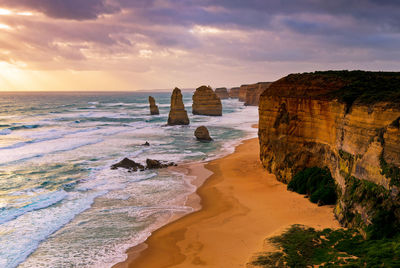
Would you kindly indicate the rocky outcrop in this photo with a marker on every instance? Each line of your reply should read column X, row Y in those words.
column 346, row 121
column 234, row 93
column 243, row 92
column 201, row 133
column 177, row 114
column 253, row 93
column 206, row 102
column 155, row 164
column 153, row 107
column 128, row 164
column 222, row 93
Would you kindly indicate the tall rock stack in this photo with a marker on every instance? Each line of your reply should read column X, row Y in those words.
column 206, row 102
column 253, row 93
column 177, row 113
column 222, row 93
column 153, row 107
column 234, row 92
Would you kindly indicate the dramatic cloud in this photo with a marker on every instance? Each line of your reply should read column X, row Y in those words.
column 163, row 43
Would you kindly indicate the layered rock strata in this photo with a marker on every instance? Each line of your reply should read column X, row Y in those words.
column 206, row 102
column 153, row 107
column 177, row 114
column 234, row 93
column 253, row 93
column 327, row 119
column 222, row 93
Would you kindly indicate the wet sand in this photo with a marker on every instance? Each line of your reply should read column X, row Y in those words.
column 241, row 205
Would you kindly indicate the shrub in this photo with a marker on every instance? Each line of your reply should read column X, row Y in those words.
column 317, row 183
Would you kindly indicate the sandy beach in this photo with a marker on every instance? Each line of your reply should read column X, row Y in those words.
column 241, row 205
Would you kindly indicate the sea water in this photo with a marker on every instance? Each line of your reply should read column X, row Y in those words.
column 60, row 203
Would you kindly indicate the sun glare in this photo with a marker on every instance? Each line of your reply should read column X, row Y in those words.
column 5, row 11
column 4, row 27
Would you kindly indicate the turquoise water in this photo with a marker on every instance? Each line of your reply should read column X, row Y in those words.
column 60, row 203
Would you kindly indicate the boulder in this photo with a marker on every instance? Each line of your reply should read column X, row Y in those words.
column 206, row 102
column 146, row 144
column 177, row 113
column 155, row 164
column 234, row 92
column 128, row 164
column 222, row 93
column 153, row 107
column 202, row 134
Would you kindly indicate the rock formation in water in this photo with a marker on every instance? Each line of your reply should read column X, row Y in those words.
column 128, row 164
column 177, row 113
column 202, row 134
column 153, row 106
column 253, row 93
column 234, row 93
column 206, row 102
column 346, row 121
column 222, row 93
column 155, row 164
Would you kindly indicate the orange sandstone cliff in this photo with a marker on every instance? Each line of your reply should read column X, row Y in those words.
column 222, row 93
column 177, row 114
column 346, row 121
column 234, row 92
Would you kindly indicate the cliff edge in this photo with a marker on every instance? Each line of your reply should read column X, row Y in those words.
column 346, row 121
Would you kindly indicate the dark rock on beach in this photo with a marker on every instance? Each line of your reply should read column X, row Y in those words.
column 128, row 164
column 156, row 164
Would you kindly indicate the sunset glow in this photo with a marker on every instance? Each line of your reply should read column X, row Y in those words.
column 131, row 42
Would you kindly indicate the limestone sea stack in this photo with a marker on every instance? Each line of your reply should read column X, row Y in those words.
column 177, row 113
column 222, row 93
column 206, row 102
column 153, row 107
column 202, row 134
column 234, row 92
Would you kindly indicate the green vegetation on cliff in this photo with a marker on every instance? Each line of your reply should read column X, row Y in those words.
column 304, row 247
column 315, row 182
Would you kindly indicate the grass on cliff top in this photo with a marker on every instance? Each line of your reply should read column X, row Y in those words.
column 317, row 183
column 359, row 86
column 301, row 246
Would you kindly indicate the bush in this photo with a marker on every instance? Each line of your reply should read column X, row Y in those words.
column 317, row 183
column 301, row 246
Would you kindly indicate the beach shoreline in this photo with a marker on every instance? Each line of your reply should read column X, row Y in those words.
column 241, row 205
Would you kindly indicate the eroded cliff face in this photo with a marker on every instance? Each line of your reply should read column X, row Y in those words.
column 302, row 124
column 253, row 93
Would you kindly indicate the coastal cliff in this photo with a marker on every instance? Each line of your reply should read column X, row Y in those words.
column 347, row 122
column 253, row 93
column 206, row 102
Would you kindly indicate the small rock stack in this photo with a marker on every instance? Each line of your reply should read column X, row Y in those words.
column 234, row 92
column 206, row 102
column 222, row 93
column 202, row 134
column 177, row 113
column 153, row 107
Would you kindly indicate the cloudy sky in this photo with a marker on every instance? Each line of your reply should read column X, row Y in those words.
column 159, row 44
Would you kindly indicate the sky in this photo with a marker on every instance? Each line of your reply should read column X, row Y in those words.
column 119, row 45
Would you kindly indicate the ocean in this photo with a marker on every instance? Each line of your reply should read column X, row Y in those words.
column 60, row 203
